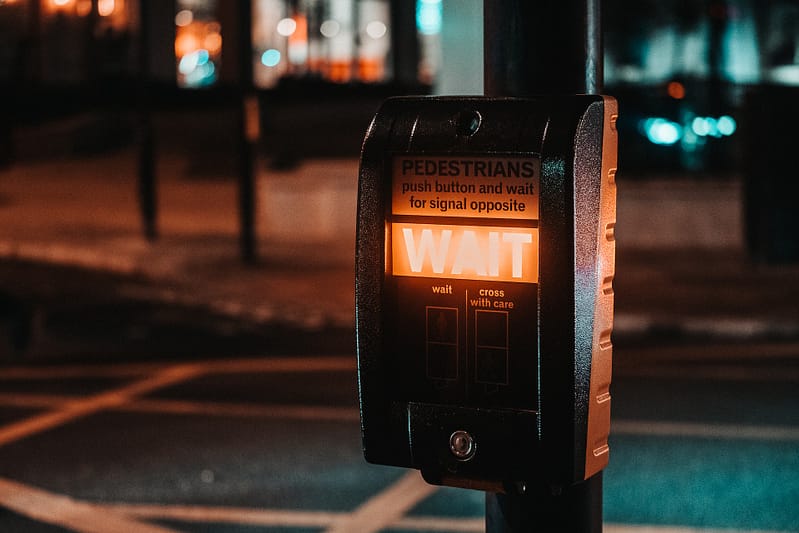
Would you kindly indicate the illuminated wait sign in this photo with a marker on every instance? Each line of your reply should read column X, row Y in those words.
column 465, row 252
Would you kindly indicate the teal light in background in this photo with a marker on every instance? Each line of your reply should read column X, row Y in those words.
column 726, row 125
column 270, row 58
column 704, row 126
column 662, row 131
column 198, row 69
column 429, row 16
column 203, row 76
column 191, row 61
column 694, row 133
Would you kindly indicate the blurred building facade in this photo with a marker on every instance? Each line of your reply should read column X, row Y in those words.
column 681, row 68
column 740, row 41
column 685, row 71
column 339, row 41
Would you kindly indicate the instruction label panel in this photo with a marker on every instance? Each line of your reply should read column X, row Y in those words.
column 455, row 186
column 464, row 244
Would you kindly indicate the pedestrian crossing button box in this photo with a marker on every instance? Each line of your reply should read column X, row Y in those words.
column 484, row 288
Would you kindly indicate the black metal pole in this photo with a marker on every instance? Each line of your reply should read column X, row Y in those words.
column 576, row 509
column 90, row 45
column 34, row 44
column 146, row 164
column 404, row 43
column 543, row 47
column 248, row 133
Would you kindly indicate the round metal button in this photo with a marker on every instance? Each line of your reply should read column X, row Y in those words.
column 462, row 445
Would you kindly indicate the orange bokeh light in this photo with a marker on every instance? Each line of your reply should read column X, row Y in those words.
column 213, row 43
column 185, row 43
column 676, row 90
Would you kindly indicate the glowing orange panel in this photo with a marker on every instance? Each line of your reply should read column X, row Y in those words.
column 488, row 253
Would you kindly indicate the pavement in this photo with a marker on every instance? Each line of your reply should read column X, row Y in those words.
column 704, row 433
column 681, row 264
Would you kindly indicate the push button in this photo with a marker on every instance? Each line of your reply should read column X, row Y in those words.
column 462, row 445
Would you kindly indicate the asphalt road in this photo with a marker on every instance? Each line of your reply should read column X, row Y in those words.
column 126, row 413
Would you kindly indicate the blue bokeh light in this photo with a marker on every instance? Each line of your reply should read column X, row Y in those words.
column 663, row 132
column 429, row 16
column 726, row 125
column 270, row 58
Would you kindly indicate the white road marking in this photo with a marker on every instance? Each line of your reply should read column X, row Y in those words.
column 163, row 377
column 725, row 327
column 703, row 430
column 387, row 507
column 281, row 364
column 286, row 518
column 78, row 371
column 714, row 373
column 350, row 414
column 434, row 523
column 34, row 401
column 228, row 515
column 296, row 412
column 63, row 511
column 619, row 528
column 82, row 407
column 224, row 366
column 295, row 518
column 84, row 517
column 182, row 407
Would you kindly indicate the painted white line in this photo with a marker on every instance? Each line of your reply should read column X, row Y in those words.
column 70, row 410
column 35, row 401
column 63, row 511
column 714, row 431
column 715, row 372
column 387, row 507
column 434, row 523
column 232, row 366
column 721, row 327
column 319, row 519
column 180, row 407
column 350, row 414
column 77, row 371
column 619, row 528
column 228, row 515
column 763, row 351
column 282, row 364
column 285, row 518
column 80, row 408
column 68, row 255
column 739, row 328
column 477, row 525
column 296, row 412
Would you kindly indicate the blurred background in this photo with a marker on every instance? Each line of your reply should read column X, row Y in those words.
column 687, row 66
column 177, row 221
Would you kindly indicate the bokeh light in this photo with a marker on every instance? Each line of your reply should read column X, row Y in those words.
column 270, row 58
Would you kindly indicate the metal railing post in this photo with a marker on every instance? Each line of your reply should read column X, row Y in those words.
column 248, row 134
column 148, row 202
